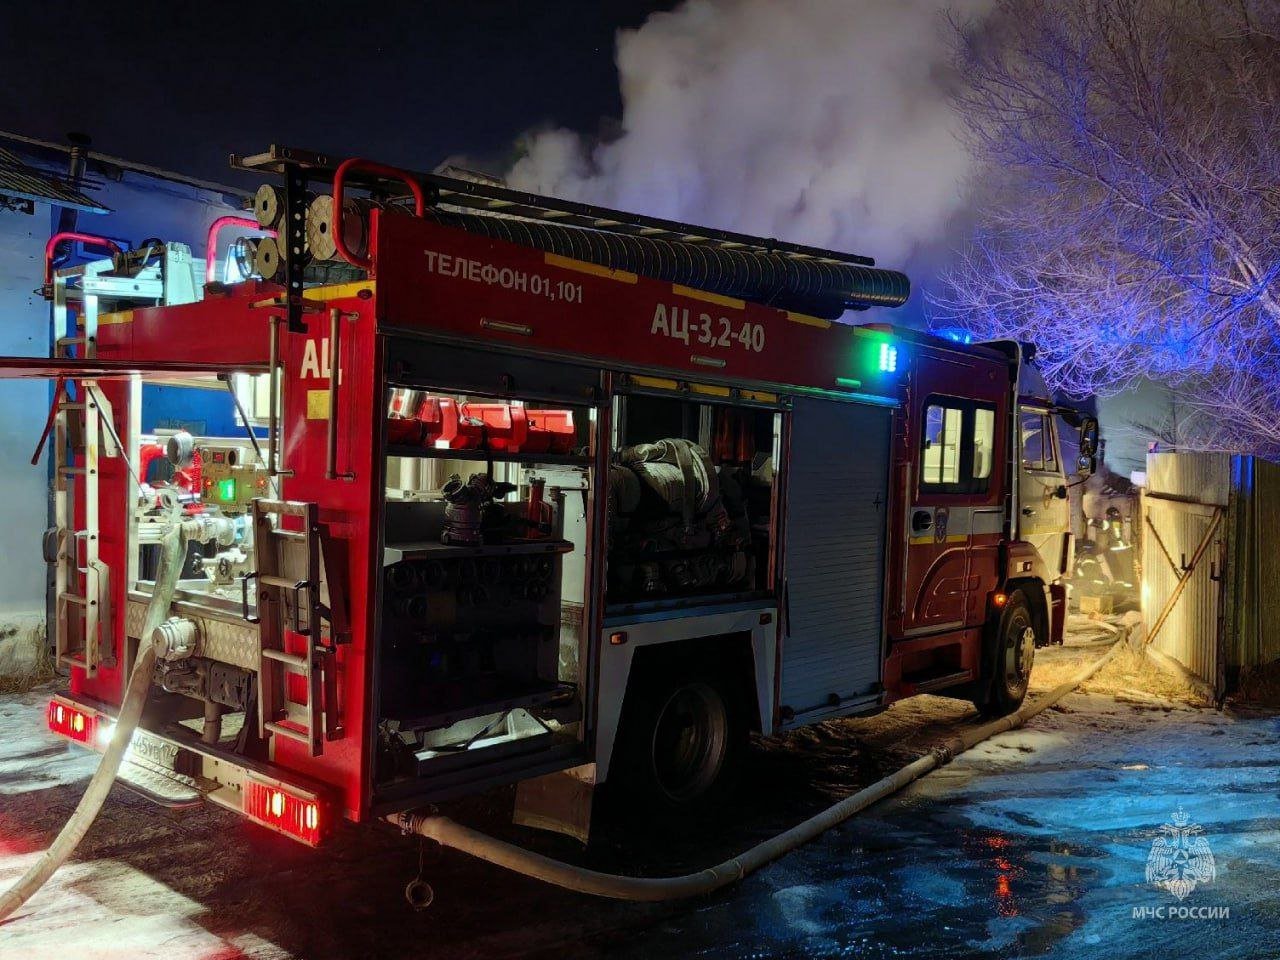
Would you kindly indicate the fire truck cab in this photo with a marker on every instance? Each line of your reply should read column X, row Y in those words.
column 530, row 489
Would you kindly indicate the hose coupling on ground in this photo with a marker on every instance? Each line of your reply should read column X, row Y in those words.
column 945, row 752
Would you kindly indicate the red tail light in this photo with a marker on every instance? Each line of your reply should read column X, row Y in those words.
column 281, row 809
column 77, row 725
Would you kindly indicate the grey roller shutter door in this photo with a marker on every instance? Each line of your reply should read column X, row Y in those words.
column 837, row 495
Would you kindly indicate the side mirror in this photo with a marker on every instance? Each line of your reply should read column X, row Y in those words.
column 1089, row 439
column 1087, row 462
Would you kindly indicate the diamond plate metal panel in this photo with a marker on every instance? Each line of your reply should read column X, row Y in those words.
column 231, row 642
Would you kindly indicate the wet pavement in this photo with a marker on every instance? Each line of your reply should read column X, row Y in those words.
column 1034, row 844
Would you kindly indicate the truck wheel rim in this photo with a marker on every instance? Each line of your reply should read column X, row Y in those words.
column 1019, row 652
column 689, row 741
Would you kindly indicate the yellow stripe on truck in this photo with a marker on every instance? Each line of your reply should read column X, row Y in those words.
column 568, row 263
column 808, row 320
column 339, row 291
column 715, row 298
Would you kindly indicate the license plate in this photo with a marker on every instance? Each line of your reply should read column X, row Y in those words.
column 151, row 749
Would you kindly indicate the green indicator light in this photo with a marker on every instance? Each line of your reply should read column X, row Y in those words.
column 227, row 489
column 888, row 358
column 849, row 382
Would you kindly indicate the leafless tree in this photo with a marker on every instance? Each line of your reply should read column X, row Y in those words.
column 1130, row 208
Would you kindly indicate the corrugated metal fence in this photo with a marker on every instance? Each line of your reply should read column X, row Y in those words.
column 1210, row 582
column 1252, row 607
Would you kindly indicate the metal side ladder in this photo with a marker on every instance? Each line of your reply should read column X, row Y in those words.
column 81, row 580
column 291, row 593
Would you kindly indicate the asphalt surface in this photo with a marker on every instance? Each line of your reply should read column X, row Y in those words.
column 1034, row 844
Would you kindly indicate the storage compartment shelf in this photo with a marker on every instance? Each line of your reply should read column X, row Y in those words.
column 433, row 550
column 484, row 456
column 503, row 693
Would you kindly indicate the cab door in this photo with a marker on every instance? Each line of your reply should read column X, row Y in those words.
column 952, row 496
column 1044, row 513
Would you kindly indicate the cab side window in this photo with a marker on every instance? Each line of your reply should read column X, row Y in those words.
column 984, row 444
column 1037, row 441
column 940, row 464
column 957, row 453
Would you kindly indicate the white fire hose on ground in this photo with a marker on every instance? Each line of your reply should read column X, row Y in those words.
column 172, row 556
column 455, row 835
column 451, row 834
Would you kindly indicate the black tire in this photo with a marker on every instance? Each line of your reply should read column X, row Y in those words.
column 1008, row 656
column 681, row 741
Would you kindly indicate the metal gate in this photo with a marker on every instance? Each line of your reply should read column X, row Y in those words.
column 1211, row 575
column 834, row 580
column 1184, row 537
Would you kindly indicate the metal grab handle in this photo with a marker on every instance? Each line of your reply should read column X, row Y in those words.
column 335, row 370
column 273, row 405
column 244, row 597
column 339, row 180
column 88, row 239
column 297, row 605
column 211, row 240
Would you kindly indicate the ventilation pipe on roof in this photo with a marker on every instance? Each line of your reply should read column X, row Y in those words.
column 80, row 143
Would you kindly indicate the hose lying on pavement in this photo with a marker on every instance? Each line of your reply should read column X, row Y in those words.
column 455, row 835
column 173, row 554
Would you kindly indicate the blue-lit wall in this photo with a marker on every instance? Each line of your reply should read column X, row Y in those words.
column 143, row 206
column 209, row 413
column 24, row 331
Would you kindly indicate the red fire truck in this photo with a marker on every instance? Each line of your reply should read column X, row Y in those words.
column 530, row 491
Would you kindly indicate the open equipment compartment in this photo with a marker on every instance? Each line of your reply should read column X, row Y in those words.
column 691, row 496
column 484, row 579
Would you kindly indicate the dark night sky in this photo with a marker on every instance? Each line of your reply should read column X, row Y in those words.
column 407, row 83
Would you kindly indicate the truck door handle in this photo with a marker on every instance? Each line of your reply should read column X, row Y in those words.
column 921, row 521
column 1028, row 511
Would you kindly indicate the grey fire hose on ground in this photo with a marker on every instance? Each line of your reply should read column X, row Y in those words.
column 172, row 556
column 498, row 852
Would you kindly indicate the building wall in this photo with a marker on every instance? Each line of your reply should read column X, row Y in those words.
column 143, row 207
column 24, row 331
column 1131, row 420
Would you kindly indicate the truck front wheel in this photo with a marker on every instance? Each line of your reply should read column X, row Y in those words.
column 682, row 739
column 1008, row 654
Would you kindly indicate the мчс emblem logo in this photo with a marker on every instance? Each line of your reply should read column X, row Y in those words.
column 1180, row 857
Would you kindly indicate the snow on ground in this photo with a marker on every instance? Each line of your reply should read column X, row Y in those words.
column 1035, row 843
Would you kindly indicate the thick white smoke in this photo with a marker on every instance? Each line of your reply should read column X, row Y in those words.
column 817, row 121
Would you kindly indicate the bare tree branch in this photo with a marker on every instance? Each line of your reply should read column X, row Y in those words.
column 1131, row 222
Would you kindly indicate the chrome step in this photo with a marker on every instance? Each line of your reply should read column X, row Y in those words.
column 165, row 787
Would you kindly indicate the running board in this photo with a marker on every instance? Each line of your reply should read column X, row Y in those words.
column 935, row 683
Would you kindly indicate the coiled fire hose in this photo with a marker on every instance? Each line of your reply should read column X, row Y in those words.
column 173, row 553
column 451, row 834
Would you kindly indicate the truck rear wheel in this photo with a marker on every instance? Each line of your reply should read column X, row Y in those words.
column 682, row 739
column 1008, row 655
